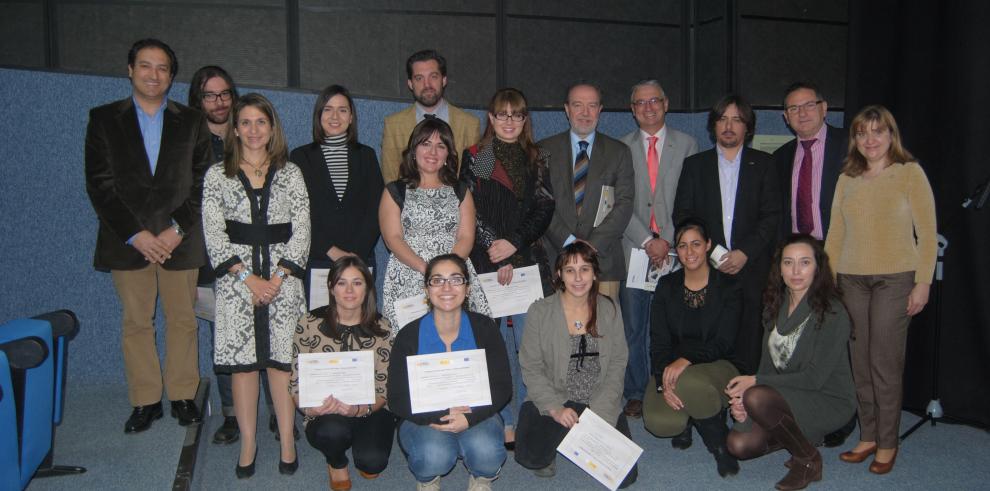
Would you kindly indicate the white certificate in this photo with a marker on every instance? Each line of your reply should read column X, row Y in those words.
column 600, row 450
column 348, row 375
column 206, row 303
column 605, row 204
column 516, row 297
column 643, row 274
column 319, row 295
column 409, row 309
column 441, row 381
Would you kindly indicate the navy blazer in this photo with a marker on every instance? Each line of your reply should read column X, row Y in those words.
column 836, row 149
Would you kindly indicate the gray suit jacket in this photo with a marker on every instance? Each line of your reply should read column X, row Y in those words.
column 677, row 146
column 546, row 351
column 610, row 165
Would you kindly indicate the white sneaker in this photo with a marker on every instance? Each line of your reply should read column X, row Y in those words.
column 480, row 483
column 433, row 485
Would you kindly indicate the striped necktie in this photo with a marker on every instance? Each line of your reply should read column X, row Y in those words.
column 580, row 174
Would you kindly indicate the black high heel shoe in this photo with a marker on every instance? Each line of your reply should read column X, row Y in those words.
column 246, row 471
column 288, row 468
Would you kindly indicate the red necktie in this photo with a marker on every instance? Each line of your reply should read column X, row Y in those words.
column 805, row 204
column 653, row 168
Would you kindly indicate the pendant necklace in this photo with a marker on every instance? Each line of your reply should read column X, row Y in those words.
column 257, row 168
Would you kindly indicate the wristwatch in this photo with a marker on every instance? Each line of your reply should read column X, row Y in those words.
column 178, row 229
column 243, row 274
column 280, row 273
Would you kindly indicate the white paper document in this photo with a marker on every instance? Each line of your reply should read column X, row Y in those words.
column 516, row 297
column 347, row 375
column 600, row 450
column 440, row 381
column 206, row 303
column 643, row 274
column 319, row 294
column 605, row 204
column 409, row 309
column 717, row 256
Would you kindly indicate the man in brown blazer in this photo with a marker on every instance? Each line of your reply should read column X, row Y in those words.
column 145, row 161
column 427, row 77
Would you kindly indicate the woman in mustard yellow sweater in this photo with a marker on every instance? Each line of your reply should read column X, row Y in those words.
column 882, row 244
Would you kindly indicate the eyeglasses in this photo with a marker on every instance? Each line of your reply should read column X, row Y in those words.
column 517, row 117
column 439, row 281
column 807, row 106
column 213, row 96
column 653, row 101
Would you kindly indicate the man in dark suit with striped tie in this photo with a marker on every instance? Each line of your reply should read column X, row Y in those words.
column 586, row 165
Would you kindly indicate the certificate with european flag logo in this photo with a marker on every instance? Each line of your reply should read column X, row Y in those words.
column 349, row 376
column 600, row 450
column 440, row 381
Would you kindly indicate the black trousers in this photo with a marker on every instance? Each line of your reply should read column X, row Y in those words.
column 370, row 439
column 538, row 436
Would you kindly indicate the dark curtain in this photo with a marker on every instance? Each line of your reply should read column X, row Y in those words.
column 929, row 63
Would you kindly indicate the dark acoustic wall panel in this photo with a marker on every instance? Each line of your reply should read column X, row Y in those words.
column 817, row 10
column 249, row 41
column 22, row 34
column 774, row 53
column 711, row 75
column 638, row 11
column 366, row 51
column 545, row 56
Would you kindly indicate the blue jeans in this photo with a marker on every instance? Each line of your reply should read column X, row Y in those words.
column 513, row 340
column 433, row 453
column 636, row 318
column 381, row 262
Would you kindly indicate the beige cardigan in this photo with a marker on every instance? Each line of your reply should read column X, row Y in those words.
column 546, row 350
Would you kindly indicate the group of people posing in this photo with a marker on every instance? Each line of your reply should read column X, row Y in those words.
column 794, row 277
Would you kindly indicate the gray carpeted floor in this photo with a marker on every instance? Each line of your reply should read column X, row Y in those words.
column 944, row 457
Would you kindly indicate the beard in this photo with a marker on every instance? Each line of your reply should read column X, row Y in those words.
column 429, row 98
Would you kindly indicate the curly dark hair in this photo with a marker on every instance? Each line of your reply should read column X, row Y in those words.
column 821, row 293
column 409, row 173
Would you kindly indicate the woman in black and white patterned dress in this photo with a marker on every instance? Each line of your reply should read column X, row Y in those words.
column 256, row 222
column 426, row 213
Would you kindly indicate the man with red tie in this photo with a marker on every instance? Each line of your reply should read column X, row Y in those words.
column 809, row 166
column 658, row 152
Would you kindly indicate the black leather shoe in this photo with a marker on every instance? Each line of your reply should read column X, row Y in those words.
column 228, row 432
column 838, row 437
column 186, row 412
column 246, row 471
column 142, row 417
column 683, row 441
column 273, row 427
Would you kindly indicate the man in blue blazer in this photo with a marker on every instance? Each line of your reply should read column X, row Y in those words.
column 735, row 190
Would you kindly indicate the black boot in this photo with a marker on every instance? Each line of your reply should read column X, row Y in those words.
column 806, row 462
column 683, row 441
column 714, row 432
column 838, row 437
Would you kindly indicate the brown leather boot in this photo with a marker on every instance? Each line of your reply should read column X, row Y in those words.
column 806, row 462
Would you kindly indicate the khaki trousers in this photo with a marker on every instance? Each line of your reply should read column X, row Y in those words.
column 877, row 306
column 700, row 387
column 138, row 291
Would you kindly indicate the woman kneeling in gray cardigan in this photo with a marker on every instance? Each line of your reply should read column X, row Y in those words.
column 573, row 357
column 804, row 388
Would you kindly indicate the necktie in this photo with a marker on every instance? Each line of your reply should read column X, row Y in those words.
column 580, row 174
column 805, row 213
column 653, row 168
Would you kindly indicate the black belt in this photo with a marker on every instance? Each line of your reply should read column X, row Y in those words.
column 258, row 234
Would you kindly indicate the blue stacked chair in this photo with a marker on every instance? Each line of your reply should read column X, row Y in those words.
column 37, row 394
column 18, row 359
